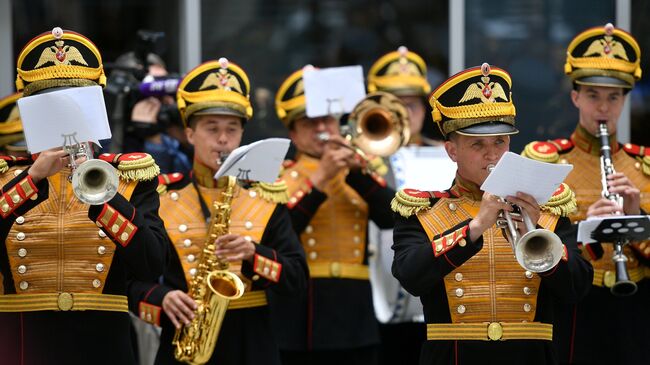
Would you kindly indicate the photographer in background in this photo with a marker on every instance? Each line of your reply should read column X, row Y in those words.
column 142, row 108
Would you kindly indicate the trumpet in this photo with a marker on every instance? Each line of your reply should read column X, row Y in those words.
column 378, row 126
column 623, row 286
column 94, row 181
column 538, row 249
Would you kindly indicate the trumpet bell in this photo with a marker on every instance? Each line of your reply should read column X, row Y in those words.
column 95, row 182
column 539, row 250
column 380, row 123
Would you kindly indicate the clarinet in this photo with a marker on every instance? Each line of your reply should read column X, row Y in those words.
column 623, row 285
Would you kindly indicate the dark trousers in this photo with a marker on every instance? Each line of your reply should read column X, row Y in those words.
column 358, row 356
column 401, row 343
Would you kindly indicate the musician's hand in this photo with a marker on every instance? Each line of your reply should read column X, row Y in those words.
column 48, row 163
column 334, row 159
column 529, row 205
column 603, row 208
column 179, row 307
column 233, row 247
column 618, row 183
column 487, row 215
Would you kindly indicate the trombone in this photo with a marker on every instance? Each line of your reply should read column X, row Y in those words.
column 94, row 181
column 378, row 125
column 538, row 249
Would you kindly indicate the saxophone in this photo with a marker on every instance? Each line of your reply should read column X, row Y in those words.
column 212, row 288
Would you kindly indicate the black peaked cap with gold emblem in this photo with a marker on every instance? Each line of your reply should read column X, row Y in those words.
column 290, row 101
column 215, row 87
column 60, row 58
column 477, row 101
column 11, row 127
column 604, row 56
column 400, row 72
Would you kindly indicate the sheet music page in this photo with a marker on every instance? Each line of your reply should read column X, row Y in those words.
column 515, row 173
column 78, row 111
column 258, row 161
column 333, row 90
column 586, row 227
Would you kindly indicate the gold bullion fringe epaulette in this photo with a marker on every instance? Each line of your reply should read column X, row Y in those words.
column 541, row 151
column 641, row 154
column 133, row 166
column 408, row 202
column 6, row 162
column 562, row 203
column 274, row 192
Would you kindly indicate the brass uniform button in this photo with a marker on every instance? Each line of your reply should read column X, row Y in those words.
column 187, row 242
column 356, row 253
column 460, row 292
column 452, row 207
column 182, row 228
column 193, row 271
column 18, row 172
column 99, row 267
column 356, row 227
column 22, row 269
column 527, row 307
column 191, row 258
column 309, row 229
column 101, row 250
column 637, row 165
column 20, row 220
column 124, row 236
column 115, row 228
column 5, row 208
column 22, row 252
column 174, row 196
column 462, row 242
column 252, row 194
column 255, row 277
column 527, row 290
column 15, row 198
column 20, row 236
column 529, row 274
column 313, row 255
column 311, row 242
column 461, row 309
column 97, row 283
column 248, row 225
column 356, row 239
column 101, row 234
column 458, row 276
column 294, row 174
column 23, row 285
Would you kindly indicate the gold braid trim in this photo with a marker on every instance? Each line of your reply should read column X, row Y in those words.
column 12, row 126
column 602, row 63
column 407, row 205
column 142, row 169
column 4, row 166
column 562, row 204
column 274, row 193
column 161, row 189
column 530, row 152
column 645, row 165
column 416, row 83
column 473, row 111
column 60, row 72
column 37, row 86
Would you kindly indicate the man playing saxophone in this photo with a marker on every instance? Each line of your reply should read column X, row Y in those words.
column 260, row 248
column 603, row 64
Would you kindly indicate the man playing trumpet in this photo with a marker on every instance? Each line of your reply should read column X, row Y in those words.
column 479, row 304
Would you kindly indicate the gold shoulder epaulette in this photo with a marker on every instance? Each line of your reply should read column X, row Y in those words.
column 165, row 180
column 133, row 166
column 410, row 201
column 562, row 203
column 6, row 162
column 640, row 153
column 275, row 192
column 541, row 151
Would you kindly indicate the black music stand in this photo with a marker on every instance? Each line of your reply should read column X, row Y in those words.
column 621, row 231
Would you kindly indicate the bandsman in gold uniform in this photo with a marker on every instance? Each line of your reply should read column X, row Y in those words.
column 330, row 203
column 604, row 63
column 65, row 263
column 12, row 139
column 262, row 248
column 479, row 304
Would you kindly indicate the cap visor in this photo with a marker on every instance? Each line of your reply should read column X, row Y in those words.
column 489, row 129
column 604, row 81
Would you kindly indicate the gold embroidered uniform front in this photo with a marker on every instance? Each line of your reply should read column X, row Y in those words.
column 334, row 247
column 257, row 214
column 65, row 263
column 478, row 302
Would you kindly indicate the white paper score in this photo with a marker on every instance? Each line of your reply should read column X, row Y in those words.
column 335, row 90
column 258, row 161
column 515, row 173
column 48, row 118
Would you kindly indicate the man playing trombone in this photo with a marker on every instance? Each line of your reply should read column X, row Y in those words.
column 479, row 304
column 603, row 64
column 331, row 201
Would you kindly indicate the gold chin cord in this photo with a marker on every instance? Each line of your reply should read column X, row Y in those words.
column 94, row 182
column 377, row 126
column 623, row 286
column 536, row 250
column 212, row 288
